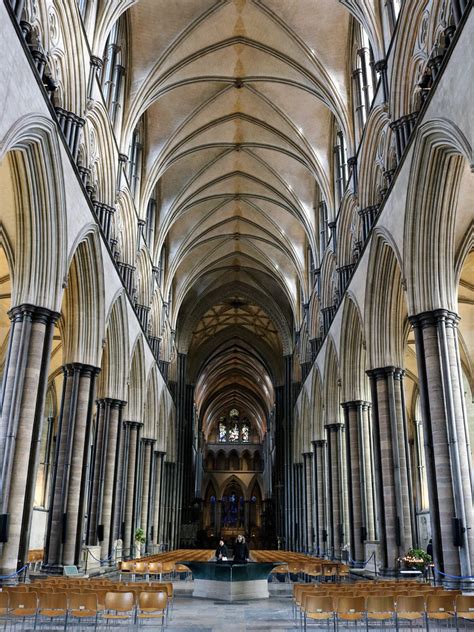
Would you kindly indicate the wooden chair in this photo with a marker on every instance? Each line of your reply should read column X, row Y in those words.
column 119, row 606
column 380, row 609
column 440, row 608
column 127, row 567
column 52, row 606
column 318, row 608
column 23, row 606
column 464, row 610
column 152, row 606
column 141, row 568
column 350, row 610
column 83, row 608
column 155, row 568
column 411, row 609
column 4, row 607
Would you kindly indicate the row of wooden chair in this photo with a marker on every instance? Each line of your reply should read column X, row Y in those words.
column 71, row 608
column 442, row 607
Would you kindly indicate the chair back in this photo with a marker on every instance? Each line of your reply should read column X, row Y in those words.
column 52, row 601
column 350, row 605
column 157, row 600
column 120, row 601
column 440, row 603
column 23, row 600
column 380, row 603
column 155, row 568
column 83, row 601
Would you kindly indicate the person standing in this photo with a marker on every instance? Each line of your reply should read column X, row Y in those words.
column 221, row 551
column 241, row 550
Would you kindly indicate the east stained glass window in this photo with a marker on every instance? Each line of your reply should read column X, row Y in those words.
column 222, row 431
column 245, row 432
column 234, row 432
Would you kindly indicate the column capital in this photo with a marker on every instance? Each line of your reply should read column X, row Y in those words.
column 433, row 318
column 308, row 455
column 133, row 424
column 381, row 373
column 96, row 62
column 35, row 313
column 334, row 427
column 380, row 65
column 159, row 453
column 355, row 404
column 148, row 441
column 80, row 367
column 319, row 443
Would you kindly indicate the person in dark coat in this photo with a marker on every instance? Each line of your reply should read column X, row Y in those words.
column 221, row 551
column 241, row 550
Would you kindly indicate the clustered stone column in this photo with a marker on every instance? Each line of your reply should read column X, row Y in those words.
column 113, row 457
column 336, row 488
column 23, row 397
column 447, row 448
column 321, row 480
column 130, row 490
column 148, row 473
column 391, row 462
column 157, row 512
column 64, row 536
column 359, row 476
column 309, row 486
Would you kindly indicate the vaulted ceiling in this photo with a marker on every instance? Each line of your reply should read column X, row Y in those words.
column 240, row 99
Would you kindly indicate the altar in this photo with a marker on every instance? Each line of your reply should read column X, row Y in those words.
column 230, row 581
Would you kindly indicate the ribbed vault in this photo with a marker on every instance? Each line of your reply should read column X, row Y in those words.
column 238, row 101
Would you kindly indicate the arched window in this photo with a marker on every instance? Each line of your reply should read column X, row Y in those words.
column 150, row 223
column 135, row 154
column 113, row 69
column 340, row 163
column 363, row 78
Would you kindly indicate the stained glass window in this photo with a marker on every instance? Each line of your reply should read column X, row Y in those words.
column 234, row 433
column 222, row 432
column 234, row 412
column 245, row 432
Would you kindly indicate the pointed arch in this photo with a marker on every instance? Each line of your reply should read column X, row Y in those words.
column 83, row 313
column 116, row 354
column 331, row 384
column 151, row 405
column 385, row 306
column 317, row 421
column 441, row 153
column 353, row 352
column 136, row 383
column 34, row 155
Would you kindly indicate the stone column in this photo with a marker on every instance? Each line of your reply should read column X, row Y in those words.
column 391, row 466
column 335, row 495
column 97, row 468
column 359, row 477
column 130, row 486
column 112, row 468
column 158, row 503
column 69, row 484
column 321, row 486
column 147, row 481
column 447, row 447
column 117, row 528
column 23, row 395
column 309, row 495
